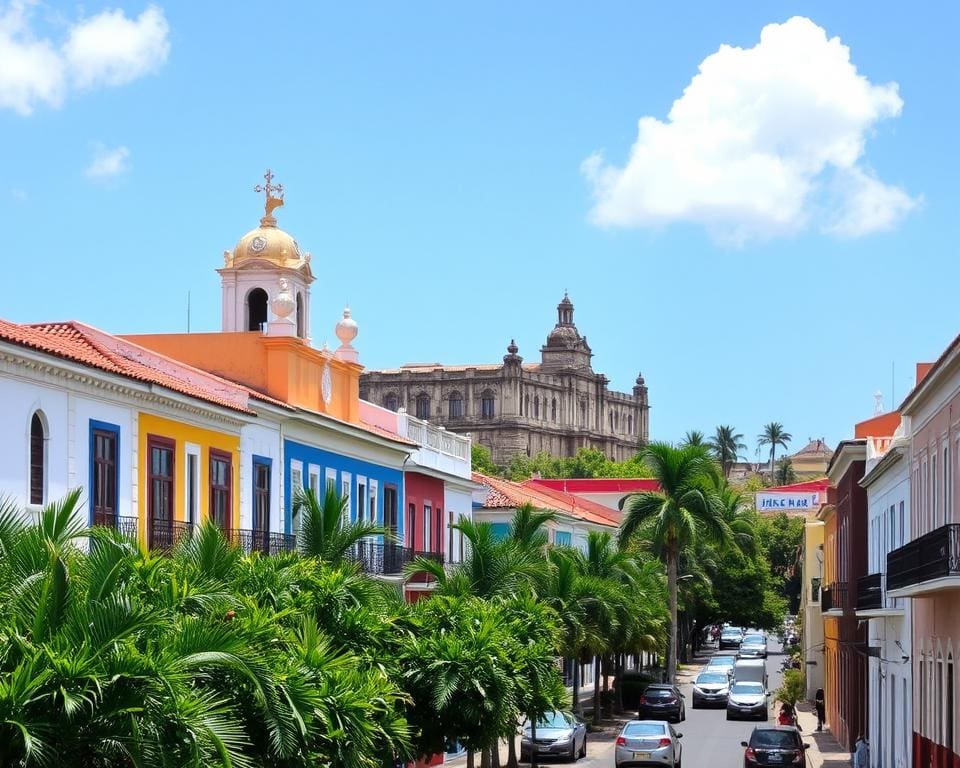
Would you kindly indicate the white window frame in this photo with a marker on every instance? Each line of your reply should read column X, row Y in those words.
column 191, row 449
column 313, row 479
column 345, row 492
column 361, row 498
column 427, row 526
column 373, row 490
column 331, row 479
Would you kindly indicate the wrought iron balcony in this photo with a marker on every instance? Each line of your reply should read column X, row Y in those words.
column 166, row 534
column 934, row 555
column 870, row 592
column 384, row 559
column 826, row 599
column 833, row 597
column 126, row 526
column 264, row 542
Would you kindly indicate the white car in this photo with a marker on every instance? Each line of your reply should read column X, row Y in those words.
column 711, row 687
column 560, row 734
column 747, row 700
column 648, row 743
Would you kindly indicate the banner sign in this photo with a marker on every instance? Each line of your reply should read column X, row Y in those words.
column 787, row 502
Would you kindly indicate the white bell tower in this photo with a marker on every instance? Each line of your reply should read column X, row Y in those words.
column 266, row 271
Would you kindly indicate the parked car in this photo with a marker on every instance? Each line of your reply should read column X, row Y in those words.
column 747, row 700
column 711, row 688
column 753, row 647
column 648, row 742
column 730, row 637
column 662, row 701
column 558, row 733
column 773, row 745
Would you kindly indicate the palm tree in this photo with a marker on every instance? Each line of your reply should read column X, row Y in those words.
column 686, row 507
column 693, row 437
column 773, row 435
column 785, row 473
column 327, row 533
column 727, row 446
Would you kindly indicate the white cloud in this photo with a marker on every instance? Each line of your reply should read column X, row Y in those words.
column 103, row 50
column 764, row 141
column 108, row 164
column 110, row 49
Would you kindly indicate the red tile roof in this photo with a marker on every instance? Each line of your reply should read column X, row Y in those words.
column 89, row 346
column 597, row 484
column 810, row 486
column 504, row 494
column 814, row 448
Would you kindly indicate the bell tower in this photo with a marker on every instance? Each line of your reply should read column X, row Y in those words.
column 264, row 274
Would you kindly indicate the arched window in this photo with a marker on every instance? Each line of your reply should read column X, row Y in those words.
column 391, row 402
column 487, row 404
column 423, row 406
column 256, row 309
column 301, row 327
column 536, row 407
column 553, row 409
column 526, row 405
column 629, row 423
column 38, row 458
column 455, row 405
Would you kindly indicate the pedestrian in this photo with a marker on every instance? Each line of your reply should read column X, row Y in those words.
column 819, row 703
column 861, row 753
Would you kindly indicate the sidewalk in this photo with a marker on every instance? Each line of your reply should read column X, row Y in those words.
column 824, row 750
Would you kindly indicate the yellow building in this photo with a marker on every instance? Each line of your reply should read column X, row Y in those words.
column 173, row 498
column 812, row 460
column 811, row 579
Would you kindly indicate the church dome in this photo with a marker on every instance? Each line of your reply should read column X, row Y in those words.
column 563, row 335
column 268, row 243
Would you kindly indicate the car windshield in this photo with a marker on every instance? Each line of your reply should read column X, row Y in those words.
column 731, row 633
column 554, row 720
column 754, row 688
column 781, row 739
column 711, row 677
column 758, row 639
column 722, row 661
column 644, row 729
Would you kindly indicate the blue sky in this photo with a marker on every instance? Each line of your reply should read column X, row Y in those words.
column 433, row 160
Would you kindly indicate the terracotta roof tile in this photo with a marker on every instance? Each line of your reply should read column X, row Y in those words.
column 89, row 346
column 504, row 494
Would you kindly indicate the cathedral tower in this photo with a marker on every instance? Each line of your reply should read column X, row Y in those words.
column 265, row 279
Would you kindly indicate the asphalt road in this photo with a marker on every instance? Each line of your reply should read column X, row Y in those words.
column 709, row 739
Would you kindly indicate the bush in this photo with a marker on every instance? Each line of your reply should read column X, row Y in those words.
column 793, row 687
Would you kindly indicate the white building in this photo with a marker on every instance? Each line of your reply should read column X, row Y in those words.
column 887, row 484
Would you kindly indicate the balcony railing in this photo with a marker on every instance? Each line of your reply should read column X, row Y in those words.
column 166, row 534
column 833, row 597
column 934, row 555
column 126, row 526
column 870, row 592
column 826, row 599
column 264, row 542
column 382, row 559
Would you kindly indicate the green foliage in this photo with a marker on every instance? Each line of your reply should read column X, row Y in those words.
column 746, row 592
column 482, row 460
column 727, row 446
column 785, row 474
column 793, row 688
column 587, row 463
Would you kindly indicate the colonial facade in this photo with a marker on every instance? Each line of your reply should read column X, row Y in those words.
column 558, row 405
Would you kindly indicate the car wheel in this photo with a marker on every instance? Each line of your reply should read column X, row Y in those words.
column 573, row 751
column 583, row 749
column 728, row 716
column 683, row 713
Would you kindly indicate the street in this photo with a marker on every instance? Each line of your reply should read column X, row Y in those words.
column 709, row 739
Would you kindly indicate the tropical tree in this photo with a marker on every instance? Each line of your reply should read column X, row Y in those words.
column 686, row 508
column 727, row 446
column 694, row 437
column 773, row 435
column 785, row 474
column 326, row 530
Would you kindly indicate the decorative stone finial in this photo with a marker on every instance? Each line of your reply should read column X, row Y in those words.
column 512, row 348
column 878, row 403
column 283, row 305
column 273, row 194
column 347, row 331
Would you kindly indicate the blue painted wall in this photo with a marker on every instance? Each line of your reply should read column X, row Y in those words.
column 307, row 454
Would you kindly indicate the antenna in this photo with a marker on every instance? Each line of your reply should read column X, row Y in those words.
column 893, row 385
column 188, row 311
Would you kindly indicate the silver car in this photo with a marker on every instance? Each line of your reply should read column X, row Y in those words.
column 648, row 742
column 747, row 700
column 753, row 647
column 711, row 687
column 559, row 734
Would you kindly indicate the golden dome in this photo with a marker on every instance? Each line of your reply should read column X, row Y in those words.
column 268, row 243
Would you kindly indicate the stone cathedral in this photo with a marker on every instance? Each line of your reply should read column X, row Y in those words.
column 558, row 405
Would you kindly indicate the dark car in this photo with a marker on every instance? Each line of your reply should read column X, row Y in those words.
column 662, row 702
column 773, row 745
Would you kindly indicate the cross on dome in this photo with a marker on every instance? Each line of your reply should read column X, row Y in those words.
column 273, row 194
